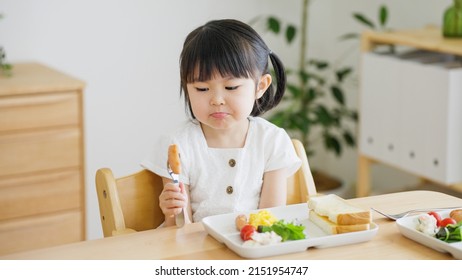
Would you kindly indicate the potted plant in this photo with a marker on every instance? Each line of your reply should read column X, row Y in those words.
column 5, row 68
column 315, row 107
column 452, row 20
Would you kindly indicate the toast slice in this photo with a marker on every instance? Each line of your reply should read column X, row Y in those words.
column 338, row 210
column 331, row 228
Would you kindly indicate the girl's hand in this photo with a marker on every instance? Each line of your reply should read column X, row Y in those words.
column 173, row 199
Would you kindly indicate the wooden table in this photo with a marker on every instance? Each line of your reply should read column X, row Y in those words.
column 192, row 242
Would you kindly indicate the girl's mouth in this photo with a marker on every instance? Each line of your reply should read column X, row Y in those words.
column 219, row 115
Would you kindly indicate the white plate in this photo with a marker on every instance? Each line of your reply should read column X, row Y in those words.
column 223, row 229
column 408, row 227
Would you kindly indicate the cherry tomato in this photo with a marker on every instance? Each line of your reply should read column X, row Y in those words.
column 437, row 217
column 247, row 231
column 447, row 221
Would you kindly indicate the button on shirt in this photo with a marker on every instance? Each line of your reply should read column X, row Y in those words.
column 226, row 180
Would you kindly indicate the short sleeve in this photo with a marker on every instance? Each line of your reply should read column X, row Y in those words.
column 281, row 153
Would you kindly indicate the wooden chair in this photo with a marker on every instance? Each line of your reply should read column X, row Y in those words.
column 131, row 203
column 301, row 184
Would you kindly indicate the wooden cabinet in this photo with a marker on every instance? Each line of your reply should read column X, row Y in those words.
column 42, row 194
column 410, row 115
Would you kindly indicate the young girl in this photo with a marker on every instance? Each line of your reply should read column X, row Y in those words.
column 232, row 160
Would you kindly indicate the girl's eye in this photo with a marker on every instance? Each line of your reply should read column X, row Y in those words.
column 231, row 88
column 202, row 89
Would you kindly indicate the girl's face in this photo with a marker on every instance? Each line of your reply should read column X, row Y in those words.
column 223, row 102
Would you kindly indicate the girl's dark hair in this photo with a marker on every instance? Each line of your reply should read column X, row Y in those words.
column 230, row 48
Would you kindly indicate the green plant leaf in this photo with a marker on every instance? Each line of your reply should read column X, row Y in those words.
column 311, row 94
column 320, row 64
column 383, row 15
column 354, row 115
column 7, row 67
column 349, row 36
column 349, row 139
column 304, row 76
column 364, row 20
column 291, row 31
column 2, row 55
column 343, row 73
column 288, row 72
column 278, row 119
column 320, row 80
column 336, row 119
column 337, row 93
column 301, row 122
column 323, row 115
column 294, row 90
column 332, row 143
column 274, row 25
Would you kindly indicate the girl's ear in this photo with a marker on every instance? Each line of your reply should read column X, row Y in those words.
column 263, row 84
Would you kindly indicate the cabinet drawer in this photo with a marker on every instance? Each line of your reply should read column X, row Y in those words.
column 38, row 111
column 39, row 232
column 39, row 151
column 39, row 194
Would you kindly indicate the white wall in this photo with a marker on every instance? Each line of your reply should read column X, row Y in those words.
column 127, row 53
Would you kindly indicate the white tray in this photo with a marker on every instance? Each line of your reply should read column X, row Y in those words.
column 408, row 227
column 223, row 229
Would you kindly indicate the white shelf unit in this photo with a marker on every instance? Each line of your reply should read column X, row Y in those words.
column 411, row 107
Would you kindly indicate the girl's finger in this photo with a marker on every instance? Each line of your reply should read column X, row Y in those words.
column 172, row 187
column 176, row 196
column 182, row 190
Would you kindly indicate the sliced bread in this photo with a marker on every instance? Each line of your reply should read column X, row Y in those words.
column 338, row 210
column 331, row 228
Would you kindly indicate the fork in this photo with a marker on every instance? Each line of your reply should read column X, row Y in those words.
column 179, row 219
column 406, row 213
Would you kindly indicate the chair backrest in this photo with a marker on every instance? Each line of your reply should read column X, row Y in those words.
column 131, row 203
column 300, row 185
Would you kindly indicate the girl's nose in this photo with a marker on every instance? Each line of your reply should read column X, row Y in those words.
column 217, row 99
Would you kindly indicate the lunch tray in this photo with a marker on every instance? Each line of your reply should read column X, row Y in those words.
column 223, row 229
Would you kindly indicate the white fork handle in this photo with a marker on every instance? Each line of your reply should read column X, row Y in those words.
column 179, row 218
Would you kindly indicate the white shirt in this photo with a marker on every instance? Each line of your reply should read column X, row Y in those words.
column 216, row 185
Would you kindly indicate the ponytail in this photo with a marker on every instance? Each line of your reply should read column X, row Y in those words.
column 281, row 79
column 272, row 96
